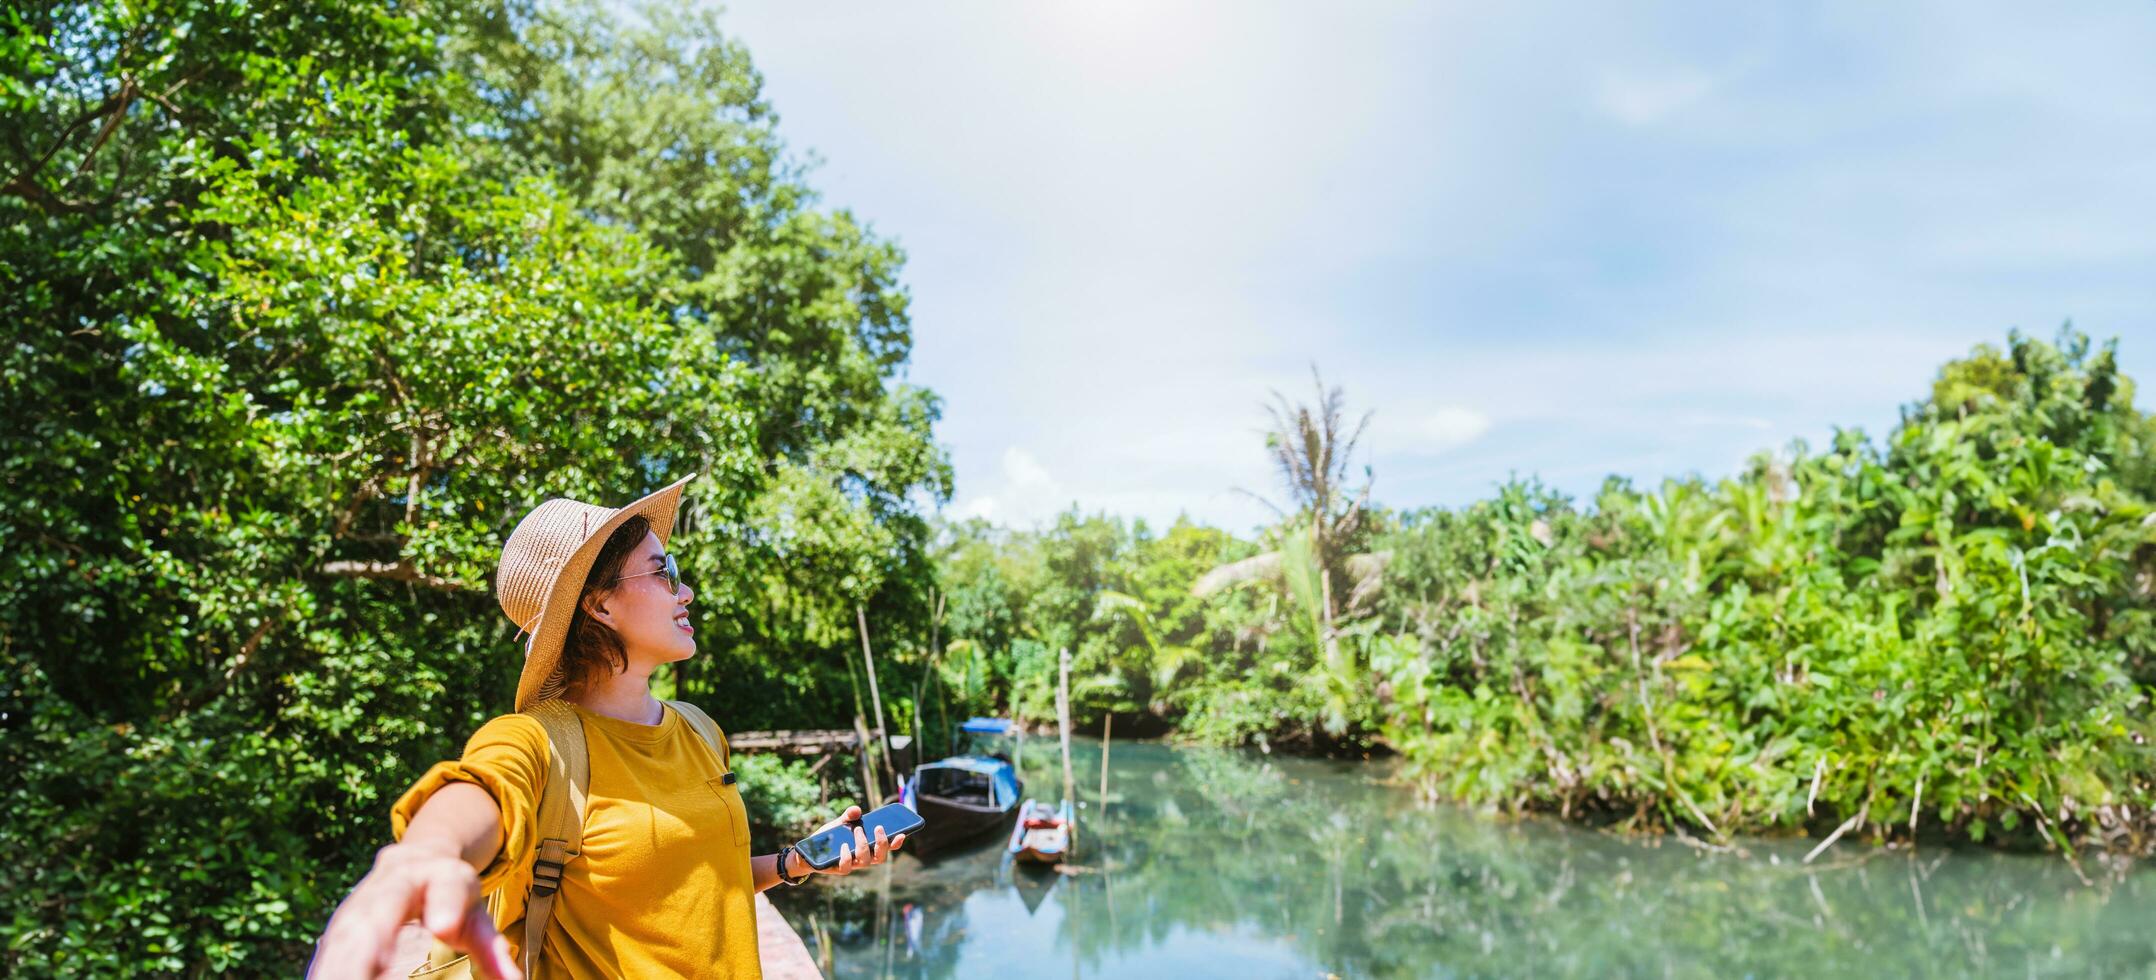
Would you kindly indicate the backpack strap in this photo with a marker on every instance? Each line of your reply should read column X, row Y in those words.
column 560, row 818
column 707, row 728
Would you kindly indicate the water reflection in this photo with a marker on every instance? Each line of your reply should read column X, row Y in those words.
column 1231, row 863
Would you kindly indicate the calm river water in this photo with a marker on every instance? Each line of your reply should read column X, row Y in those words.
column 1231, row 863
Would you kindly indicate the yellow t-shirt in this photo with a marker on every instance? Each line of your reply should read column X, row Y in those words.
column 663, row 887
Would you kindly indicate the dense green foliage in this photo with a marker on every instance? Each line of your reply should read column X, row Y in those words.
column 310, row 301
column 1950, row 634
column 1117, row 595
column 784, row 800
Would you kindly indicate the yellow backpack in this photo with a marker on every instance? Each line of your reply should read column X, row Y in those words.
column 561, row 822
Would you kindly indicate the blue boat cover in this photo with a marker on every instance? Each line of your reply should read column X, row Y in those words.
column 987, row 726
column 996, row 770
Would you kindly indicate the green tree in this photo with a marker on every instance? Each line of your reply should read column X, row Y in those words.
column 652, row 117
column 304, row 322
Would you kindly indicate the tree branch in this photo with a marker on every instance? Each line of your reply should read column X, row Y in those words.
column 27, row 188
column 401, row 570
column 67, row 132
column 204, row 694
column 112, row 123
column 1847, row 825
column 366, row 492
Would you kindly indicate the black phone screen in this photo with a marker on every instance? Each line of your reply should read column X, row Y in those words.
column 821, row 849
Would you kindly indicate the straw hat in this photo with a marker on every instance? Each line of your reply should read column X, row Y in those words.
column 544, row 564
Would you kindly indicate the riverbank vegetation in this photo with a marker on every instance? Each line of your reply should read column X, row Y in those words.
column 1946, row 634
column 312, row 301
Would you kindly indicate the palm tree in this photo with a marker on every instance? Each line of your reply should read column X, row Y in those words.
column 1313, row 451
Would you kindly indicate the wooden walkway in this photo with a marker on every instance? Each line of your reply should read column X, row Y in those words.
column 785, row 956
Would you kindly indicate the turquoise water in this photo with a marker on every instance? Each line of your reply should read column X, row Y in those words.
column 1231, row 863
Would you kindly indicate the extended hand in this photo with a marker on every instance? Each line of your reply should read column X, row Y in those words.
column 862, row 853
column 410, row 882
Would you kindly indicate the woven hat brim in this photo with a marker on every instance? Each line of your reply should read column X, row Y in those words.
column 543, row 653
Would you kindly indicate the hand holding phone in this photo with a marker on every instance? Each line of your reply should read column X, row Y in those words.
column 854, row 835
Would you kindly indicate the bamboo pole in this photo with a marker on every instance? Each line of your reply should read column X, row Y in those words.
column 887, row 924
column 943, row 715
column 920, row 690
column 1063, row 721
column 875, row 697
column 868, row 767
column 1107, row 730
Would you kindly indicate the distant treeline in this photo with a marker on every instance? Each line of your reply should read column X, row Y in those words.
column 1947, row 635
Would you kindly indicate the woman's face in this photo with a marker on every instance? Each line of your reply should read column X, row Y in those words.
column 653, row 624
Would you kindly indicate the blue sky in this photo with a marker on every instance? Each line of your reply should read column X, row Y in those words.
column 1564, row 241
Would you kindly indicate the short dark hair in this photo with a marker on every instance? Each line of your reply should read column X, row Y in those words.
column 593, row 651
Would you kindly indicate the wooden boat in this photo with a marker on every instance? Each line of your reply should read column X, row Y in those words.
column 965, row 796
column 1042, row 835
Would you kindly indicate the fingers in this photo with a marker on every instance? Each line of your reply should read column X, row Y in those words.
column 471, row 929
column 353, row 948
column 486, row 946
column 863, row 852
column 362, row 936
column 852, row 815
column 442, row 893
column 449, row 897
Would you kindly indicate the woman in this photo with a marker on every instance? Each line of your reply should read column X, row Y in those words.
column 664, row 884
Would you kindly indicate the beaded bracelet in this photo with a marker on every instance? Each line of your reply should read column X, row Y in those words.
column 784, row 853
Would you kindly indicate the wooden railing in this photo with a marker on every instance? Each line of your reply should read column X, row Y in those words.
column 797, row 742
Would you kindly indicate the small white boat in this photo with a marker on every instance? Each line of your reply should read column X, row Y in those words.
column 1042, row 835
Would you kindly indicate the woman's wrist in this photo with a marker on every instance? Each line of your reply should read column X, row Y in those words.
column 793, row 868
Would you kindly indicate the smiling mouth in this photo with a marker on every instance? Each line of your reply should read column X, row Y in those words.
column 683, row 623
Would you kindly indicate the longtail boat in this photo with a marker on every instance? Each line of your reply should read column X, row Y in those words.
column 964, row 796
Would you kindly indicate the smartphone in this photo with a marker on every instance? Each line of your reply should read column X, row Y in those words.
column 820, row 849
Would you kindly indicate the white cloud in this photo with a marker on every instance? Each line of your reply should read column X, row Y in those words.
column 1022, row 471
column 1025, row 494
column 1644, row 98
column 983, row 507
column 1443, row 430
column 1646, row 241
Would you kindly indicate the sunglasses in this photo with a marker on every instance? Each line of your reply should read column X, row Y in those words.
column 669, row 569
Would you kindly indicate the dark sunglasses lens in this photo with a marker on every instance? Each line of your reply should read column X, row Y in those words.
column 673, row 576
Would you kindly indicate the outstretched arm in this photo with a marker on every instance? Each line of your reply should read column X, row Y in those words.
column 431, row 875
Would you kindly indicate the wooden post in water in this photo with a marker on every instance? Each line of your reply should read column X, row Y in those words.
column 1063, row 720
column 875, row 698
column 920, row 688
column 1107, row 730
